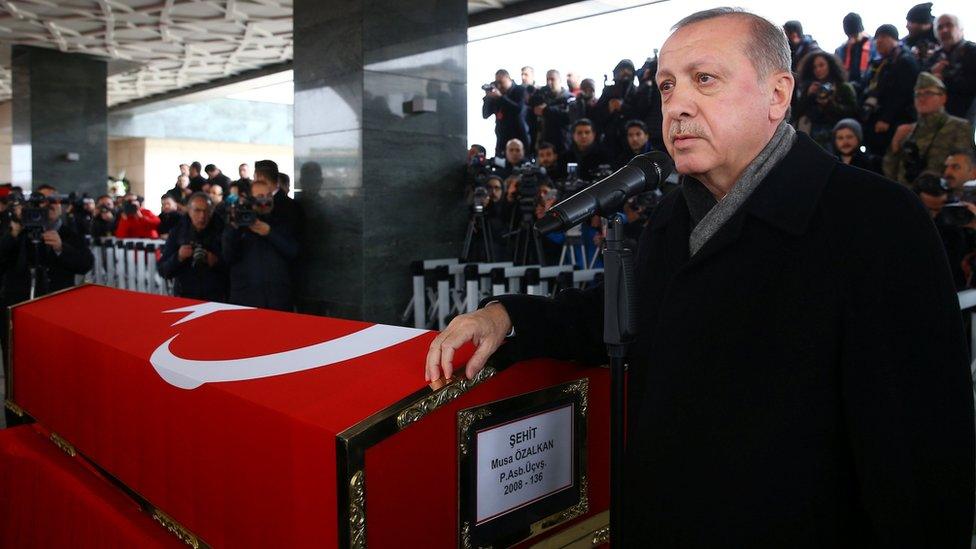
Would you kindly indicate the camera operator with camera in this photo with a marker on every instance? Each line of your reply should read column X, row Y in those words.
column 549, row 121
column 954, row 62
column 585, row 105
column 169, row 215
column 934, row 193
column 136, row 221
column 618, row 103
column 41, row 253
column 924, row 145
column 105, row 219
column 191, row 256
column 513, row 159
column 825, row 97
column 506, row 100
column 258, row 246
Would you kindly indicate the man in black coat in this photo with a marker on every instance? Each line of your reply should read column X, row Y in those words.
column 890, row 91
column 192, row 253
column 955, row 64
column 259, row 256
column 800, row 378
column 57, row 252
column 506, row 100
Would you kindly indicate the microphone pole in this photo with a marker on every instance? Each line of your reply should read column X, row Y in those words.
column 644, row 173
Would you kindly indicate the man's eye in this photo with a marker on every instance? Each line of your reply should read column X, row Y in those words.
column 705, row 78
column 666, row 86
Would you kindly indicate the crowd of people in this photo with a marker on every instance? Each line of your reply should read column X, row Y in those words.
column 898, row 105
column 231, row 241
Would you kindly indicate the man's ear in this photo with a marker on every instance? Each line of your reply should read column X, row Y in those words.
column 781, row 85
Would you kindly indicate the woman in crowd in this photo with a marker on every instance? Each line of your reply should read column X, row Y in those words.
column 825, row 97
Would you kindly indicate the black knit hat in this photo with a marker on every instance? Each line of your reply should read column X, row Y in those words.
column 887, row 30
column 853, row 24
column 920, row 13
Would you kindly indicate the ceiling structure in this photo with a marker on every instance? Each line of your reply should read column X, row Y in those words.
column 160, row 46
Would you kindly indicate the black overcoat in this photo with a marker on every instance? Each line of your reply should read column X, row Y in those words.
column 802, row 381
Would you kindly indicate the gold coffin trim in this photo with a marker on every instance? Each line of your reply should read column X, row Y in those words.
column 65, row 446
column 442, row 396
column 176, row 529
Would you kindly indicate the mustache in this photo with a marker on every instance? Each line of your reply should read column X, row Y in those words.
column 686, row 127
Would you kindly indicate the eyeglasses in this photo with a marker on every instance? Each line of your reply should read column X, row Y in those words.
column 927, row 94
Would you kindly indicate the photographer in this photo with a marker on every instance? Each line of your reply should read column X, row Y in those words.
column 191, row 255
column 649, row 103
column 954, row 62
column 586, row 152
column 40, row 245
column 825, row 97
column 549, row 121
column 585, row 105
column 514, row 157
column 888, row 96
column 105, row 219
column 181, row 191
column 618, row 103
column 82, row 215
column 258, row 249
column 857, row 52
column 136, row 221
column 923, row 146
column 960, row 168
column 506, row 101
column 934, row 194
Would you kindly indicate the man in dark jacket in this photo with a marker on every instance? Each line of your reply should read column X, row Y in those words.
column 586, row 153
column 921, row 41
column 549, row 119
column 197, row 181
column 748, row 424
column 47, row 258
column 618, row 104
column 259, row 255
column 191, row 256
column 955, row 64
column 801, row 44
column 506, row 100
column 217, row 177
column 890, row 91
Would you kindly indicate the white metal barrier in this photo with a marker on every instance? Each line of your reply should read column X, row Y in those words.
column 129, row 264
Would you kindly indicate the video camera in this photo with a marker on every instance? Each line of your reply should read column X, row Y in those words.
column 241, row 213
column 34, row 214
column 489, row 86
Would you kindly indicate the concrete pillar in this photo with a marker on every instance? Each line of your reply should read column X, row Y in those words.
column 59, row 120
column 380, row 185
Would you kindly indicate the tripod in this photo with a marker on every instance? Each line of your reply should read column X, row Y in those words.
column 35, row 270
column 527, row 238
column 478, row 223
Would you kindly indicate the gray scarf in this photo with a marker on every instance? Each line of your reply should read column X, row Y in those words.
column 707, row 214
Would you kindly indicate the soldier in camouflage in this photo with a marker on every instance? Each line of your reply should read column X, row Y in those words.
column 924, row 145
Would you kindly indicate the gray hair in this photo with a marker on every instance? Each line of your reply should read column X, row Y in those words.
column 768, row 50
column 200, row 195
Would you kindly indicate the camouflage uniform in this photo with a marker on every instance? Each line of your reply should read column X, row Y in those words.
column 933, row 137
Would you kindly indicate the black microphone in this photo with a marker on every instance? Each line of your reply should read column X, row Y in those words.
column 605, row 197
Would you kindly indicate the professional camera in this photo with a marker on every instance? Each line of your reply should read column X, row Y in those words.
column 199, row 255
column 242, row 213
column 826, row 90
column 130, row 208
column 912, row 158
column 33, row 215
column 489, row 86
column 868, row 108
column 480, row 199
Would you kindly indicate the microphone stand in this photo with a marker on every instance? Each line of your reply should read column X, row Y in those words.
column 619, row 329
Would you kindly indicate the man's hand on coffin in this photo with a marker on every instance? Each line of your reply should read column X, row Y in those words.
column 487, row 328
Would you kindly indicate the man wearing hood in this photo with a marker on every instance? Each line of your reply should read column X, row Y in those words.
column 800, row 44
column 888, row 92
column 921, row 39
column 618, row 104
column 857, row 52
column 924, row 145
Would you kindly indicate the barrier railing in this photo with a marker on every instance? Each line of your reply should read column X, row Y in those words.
column 444, row 288
column 129, row 264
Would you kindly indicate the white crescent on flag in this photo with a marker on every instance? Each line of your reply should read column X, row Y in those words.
column 189, row 373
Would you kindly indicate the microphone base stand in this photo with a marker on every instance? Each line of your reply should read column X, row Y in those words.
column 619, row 328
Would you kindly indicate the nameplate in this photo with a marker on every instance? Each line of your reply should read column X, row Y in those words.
column 522, row 465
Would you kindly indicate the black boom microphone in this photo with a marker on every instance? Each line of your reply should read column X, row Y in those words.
column 605, row 197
